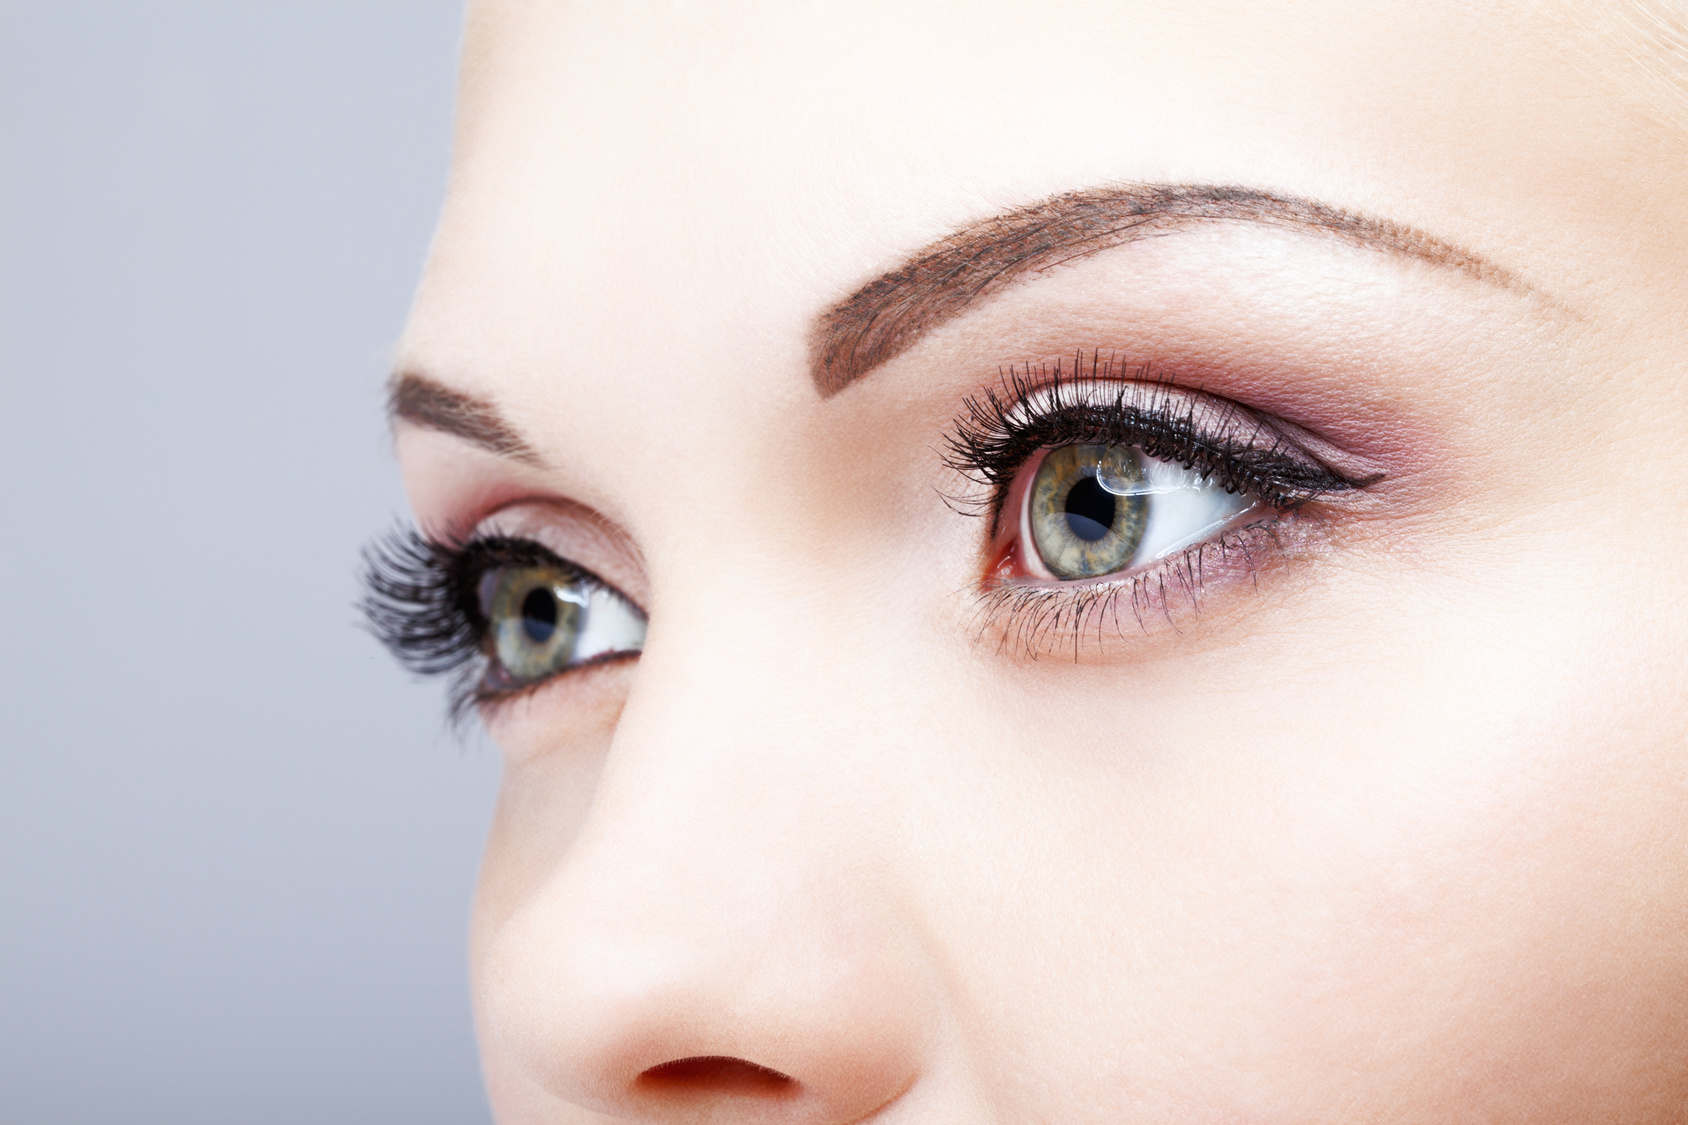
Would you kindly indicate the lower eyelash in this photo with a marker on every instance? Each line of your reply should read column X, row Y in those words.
column 1041, row 619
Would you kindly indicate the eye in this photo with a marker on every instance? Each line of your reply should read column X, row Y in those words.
column 1092, row 510
column 542, row 620
column 1113, row 492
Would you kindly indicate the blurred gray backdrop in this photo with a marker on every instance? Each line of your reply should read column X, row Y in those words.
column 236, row 845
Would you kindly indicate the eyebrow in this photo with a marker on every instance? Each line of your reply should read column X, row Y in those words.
column 424, row 402
column 886, row 316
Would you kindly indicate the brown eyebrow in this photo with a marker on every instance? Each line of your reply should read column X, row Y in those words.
column 424, row 402
column 886, row 316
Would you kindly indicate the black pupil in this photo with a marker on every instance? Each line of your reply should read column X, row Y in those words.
column 1090, row 510
column 539, row 615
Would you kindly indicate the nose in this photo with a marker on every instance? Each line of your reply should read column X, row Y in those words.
column 724, row 939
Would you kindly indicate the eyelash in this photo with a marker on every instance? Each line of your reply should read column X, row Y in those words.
column 421, row 600
column 999, row 432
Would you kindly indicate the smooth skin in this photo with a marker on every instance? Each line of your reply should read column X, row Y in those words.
column 1391, row 827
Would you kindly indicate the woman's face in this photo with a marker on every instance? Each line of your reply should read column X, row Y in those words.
column 1356, row 793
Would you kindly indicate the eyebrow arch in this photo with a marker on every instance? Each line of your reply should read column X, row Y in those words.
column 423, row 402
column 886, row 316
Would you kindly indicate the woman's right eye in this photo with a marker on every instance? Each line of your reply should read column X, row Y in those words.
column 543, row 620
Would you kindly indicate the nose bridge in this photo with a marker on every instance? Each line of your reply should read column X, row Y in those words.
column 729, row 899
column 743, row 740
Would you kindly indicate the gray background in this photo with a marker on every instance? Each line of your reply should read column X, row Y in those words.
column 236, row 844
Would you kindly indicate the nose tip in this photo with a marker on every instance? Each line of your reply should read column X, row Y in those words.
column 718, row 1073
column 718, row 1086
column 719, row 1089
column 751, row 1000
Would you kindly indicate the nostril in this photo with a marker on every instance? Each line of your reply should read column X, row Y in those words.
column 717, row 1074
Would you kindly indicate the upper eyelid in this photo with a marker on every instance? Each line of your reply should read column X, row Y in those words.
column 1030, row 400
column 573, row 533
column 998, row 433
column 545, row 556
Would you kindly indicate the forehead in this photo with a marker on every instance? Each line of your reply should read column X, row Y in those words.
column 676, row 182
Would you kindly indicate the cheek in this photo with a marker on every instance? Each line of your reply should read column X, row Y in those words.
column 1283, row 881
column 1507, row 936
column 1409, row 945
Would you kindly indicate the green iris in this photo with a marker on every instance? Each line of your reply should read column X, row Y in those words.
column 1086, row 519
column 535, row 616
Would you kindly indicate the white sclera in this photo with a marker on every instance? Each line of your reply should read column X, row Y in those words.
column 1186, row 509
column 608, row 624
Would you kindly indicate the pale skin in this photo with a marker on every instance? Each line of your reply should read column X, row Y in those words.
column 1390, row 825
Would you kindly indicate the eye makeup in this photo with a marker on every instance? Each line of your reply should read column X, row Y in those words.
column 500, row 615
column 1110, row 492
column 1113, row 491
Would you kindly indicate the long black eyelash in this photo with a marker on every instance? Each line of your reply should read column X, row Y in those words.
column 422, row 601
column 417, row 603
column 1234, row 445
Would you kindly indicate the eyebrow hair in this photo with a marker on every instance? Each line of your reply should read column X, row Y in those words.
column 886, row 316
column 422, row 401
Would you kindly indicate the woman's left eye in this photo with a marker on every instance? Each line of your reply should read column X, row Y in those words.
column 542, row 620
column 1090, row 510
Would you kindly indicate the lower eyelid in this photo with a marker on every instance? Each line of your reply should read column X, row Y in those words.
column 1257, row 516
column 497, row 696
column 1040, row 617
column 526, row 722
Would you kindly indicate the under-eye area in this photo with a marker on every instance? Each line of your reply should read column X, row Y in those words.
column 1037, row 618
column 500, row 615
column 1114, row 496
